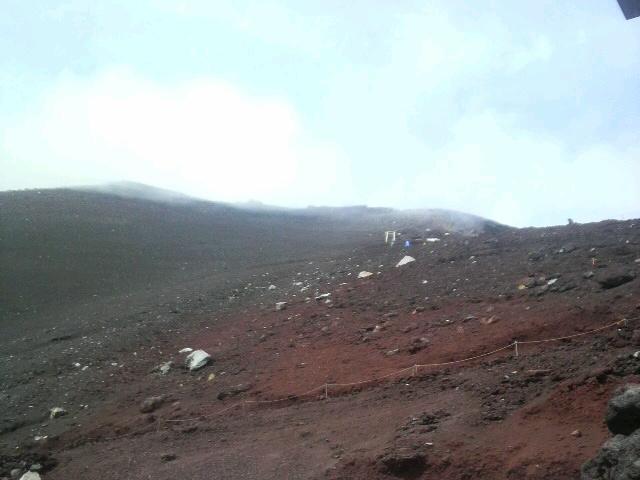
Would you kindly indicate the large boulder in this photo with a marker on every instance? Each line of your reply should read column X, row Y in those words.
column 618, row 459
column 614, row 278
column 623, row 412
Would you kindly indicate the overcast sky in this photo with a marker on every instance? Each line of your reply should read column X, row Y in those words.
column 527, row 112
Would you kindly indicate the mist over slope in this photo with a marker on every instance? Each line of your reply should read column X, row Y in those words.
column 62, row 246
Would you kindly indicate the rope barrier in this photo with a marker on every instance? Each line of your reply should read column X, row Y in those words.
column 414, row 369
column 468, row 359
column 575, row 335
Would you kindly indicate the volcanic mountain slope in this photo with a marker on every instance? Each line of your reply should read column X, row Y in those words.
column 61, row 247
column 537, row 415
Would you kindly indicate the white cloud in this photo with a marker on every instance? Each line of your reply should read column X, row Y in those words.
column 493, row 168
column 204, row 137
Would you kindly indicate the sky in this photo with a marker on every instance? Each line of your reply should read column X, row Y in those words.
column 526, row 112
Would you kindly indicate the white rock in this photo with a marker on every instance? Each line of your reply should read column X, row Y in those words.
column 186, row 350
column 552, row 281
column 56, row 412
column 197, row 359
column 364, row 274
column 323, row 295
column 433, row 239
column 281, row 305
column 271, row 287
column 165, row 368
column 31, row 476
column 406, row 259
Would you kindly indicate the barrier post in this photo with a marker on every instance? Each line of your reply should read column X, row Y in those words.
column 515, row 344
column 414, row 372
column 326, row 391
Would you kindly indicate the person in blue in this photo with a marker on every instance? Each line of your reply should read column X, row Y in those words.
column 407, row 243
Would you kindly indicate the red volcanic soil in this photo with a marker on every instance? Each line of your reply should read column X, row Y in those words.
column 537, row 415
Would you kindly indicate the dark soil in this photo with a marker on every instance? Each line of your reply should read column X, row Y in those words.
column 109, row 293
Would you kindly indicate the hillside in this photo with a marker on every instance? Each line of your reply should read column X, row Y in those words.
column 61, row 247
column 310, row 390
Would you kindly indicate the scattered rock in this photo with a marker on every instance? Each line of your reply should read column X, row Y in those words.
column 364, row 274
column 614, row 278
column 151, row 404
column 588, row 274
column 567, row 248
column 15, row 473
column 168, row 457
column 31, row 476
column 323, row 295
column 165, row 367
column 197, row 359
column 525, row 283
column 186, row 350
column 404, row 463
column 57, row 412
column 406, row 259
column 616, row 460
column 281, row 306
column 576, row 433
column 623, row 411
column 233, row 391
column 271, row 287
column 490, row 321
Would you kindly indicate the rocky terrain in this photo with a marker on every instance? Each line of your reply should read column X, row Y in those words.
column 307, row 321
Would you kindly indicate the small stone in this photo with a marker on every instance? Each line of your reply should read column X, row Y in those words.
column 491, row 320
column 364, row 274
column 271, row 287
column 57, row 412
column 31, row 476
column 197, row 359
column 186, row 350
column 15, row 473
column 405, row 260
column 152, row 403
column 168, row 457
column 576, row 433
column 281, row 306
column 528, row 282
column 165, row 368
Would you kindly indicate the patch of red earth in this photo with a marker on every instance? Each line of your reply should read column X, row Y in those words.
column 293, row 351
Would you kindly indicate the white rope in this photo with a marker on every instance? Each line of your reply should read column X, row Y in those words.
column 574, row 335
column 414, row 369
